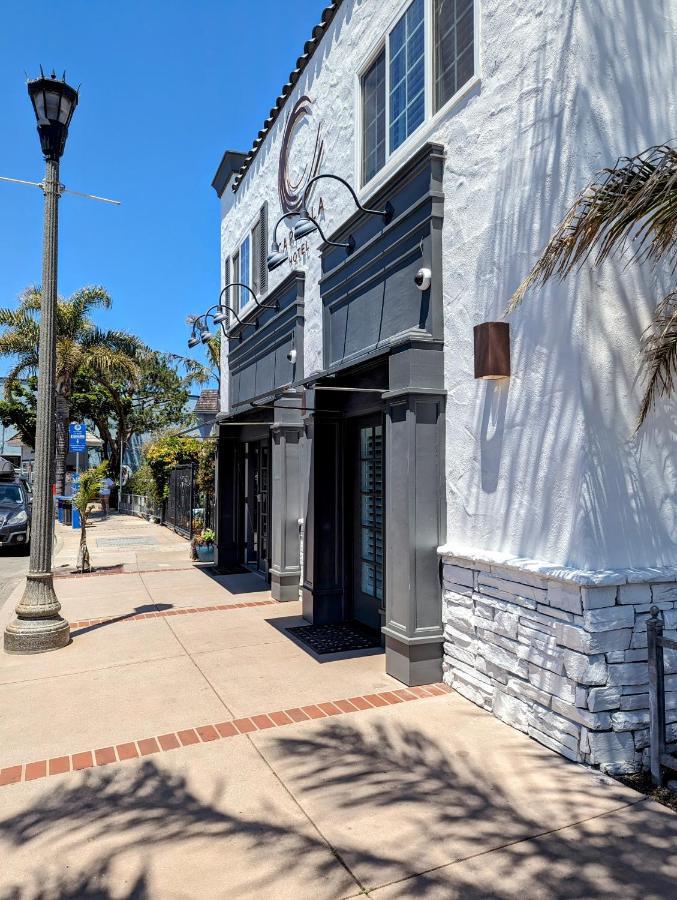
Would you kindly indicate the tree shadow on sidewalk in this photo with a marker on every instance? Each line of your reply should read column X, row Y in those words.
column 396, row 778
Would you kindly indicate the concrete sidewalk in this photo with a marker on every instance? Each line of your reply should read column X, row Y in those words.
column 185, row 745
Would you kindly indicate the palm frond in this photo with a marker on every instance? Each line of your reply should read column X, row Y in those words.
column 93, row 296
column 659, row 355
column 31, row 298
column 635, row 201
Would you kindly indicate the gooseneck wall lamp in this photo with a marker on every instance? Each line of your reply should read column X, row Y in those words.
column 306, row 224
column 201, row 334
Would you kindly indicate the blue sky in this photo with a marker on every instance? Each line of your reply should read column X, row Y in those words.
column 166, row 87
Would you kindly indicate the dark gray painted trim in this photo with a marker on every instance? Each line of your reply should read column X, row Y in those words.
column 370, row 295
column 231, row 162
column 258, row 362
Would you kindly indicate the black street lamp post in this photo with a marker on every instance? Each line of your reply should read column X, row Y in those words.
column 39, row 626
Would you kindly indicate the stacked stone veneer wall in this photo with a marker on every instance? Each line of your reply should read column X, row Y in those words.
column 560, row 654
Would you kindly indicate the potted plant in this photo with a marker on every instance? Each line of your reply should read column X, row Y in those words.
column 202, row 545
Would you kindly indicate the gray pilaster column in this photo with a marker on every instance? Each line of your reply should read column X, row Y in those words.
column 38, row 626
column 285, row 568
column 415, row 527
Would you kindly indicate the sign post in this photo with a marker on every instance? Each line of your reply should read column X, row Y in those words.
column 77, row 443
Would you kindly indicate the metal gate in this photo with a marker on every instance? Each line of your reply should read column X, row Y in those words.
column 179, row 515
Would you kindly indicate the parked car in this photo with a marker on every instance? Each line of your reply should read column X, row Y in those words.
column 15, row 509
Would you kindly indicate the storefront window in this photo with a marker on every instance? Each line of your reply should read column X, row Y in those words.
column 454, row 47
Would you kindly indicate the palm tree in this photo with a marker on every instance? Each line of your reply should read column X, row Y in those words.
column 79, row 345
column 635, row 202
column 89, row 488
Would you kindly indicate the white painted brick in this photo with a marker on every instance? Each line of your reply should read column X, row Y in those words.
column 511, row 710
column 484, row 610
column 635, row 701
column 552, row 661
column 558, row 746
column 594, row 721
column 524, row 690
column 551, row 723
column 503, row 623
column 499, row 657
column 458, row 575
column 664, row 592
column 630, row 721
column 628, row 673
column 670, row 619
column 491, row 637
column 488, row 583
column 634, row 593
column 470, row 673
column 533, row 616
column 554, row 613
column 609, row 618
column 616, row 656
column 510, row 599
column 585, row 669
column 553, row 684
column 471, row 691
column 545, row 630
column 638, row 655
column 576, row 638
column 612, row 752
column 604, row 698
column 458, row 638
column 458, row 653
column 598, row 597
column 581, row 696
column 519, row 577
column 454, row 599
column 566, row 597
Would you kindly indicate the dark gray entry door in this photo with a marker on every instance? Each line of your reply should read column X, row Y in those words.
column 368, row 524
column 257, row 504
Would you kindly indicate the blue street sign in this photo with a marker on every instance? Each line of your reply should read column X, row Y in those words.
column 77, row 436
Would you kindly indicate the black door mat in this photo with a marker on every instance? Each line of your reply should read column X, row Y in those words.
column 340, row 638
column 210, row 569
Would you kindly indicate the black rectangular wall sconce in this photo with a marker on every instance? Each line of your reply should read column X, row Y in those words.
column 492, row 350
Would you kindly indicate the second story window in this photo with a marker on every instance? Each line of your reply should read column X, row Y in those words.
column 401, row 87
column 249, row 262
column 374, row 117
column 244, row 278
column 407, row 75
column 453, row 36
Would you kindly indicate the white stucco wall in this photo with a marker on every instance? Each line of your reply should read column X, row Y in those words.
column 543, row 465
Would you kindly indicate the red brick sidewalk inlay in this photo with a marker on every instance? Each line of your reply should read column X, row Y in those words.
column 205, row 733
column 163, row 613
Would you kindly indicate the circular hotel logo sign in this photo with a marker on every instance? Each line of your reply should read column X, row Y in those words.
column 300, row 156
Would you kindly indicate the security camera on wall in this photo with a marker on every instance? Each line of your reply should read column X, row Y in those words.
column 423, row 278
column 291, row 355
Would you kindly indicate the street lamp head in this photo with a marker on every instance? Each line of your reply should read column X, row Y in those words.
column 54, row 103
column 205, row 335
column 221, row 317
column 303, row 227
column 193, row 341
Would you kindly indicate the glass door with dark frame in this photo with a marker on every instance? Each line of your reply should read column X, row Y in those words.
column 256, row 462
column 368, row 522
